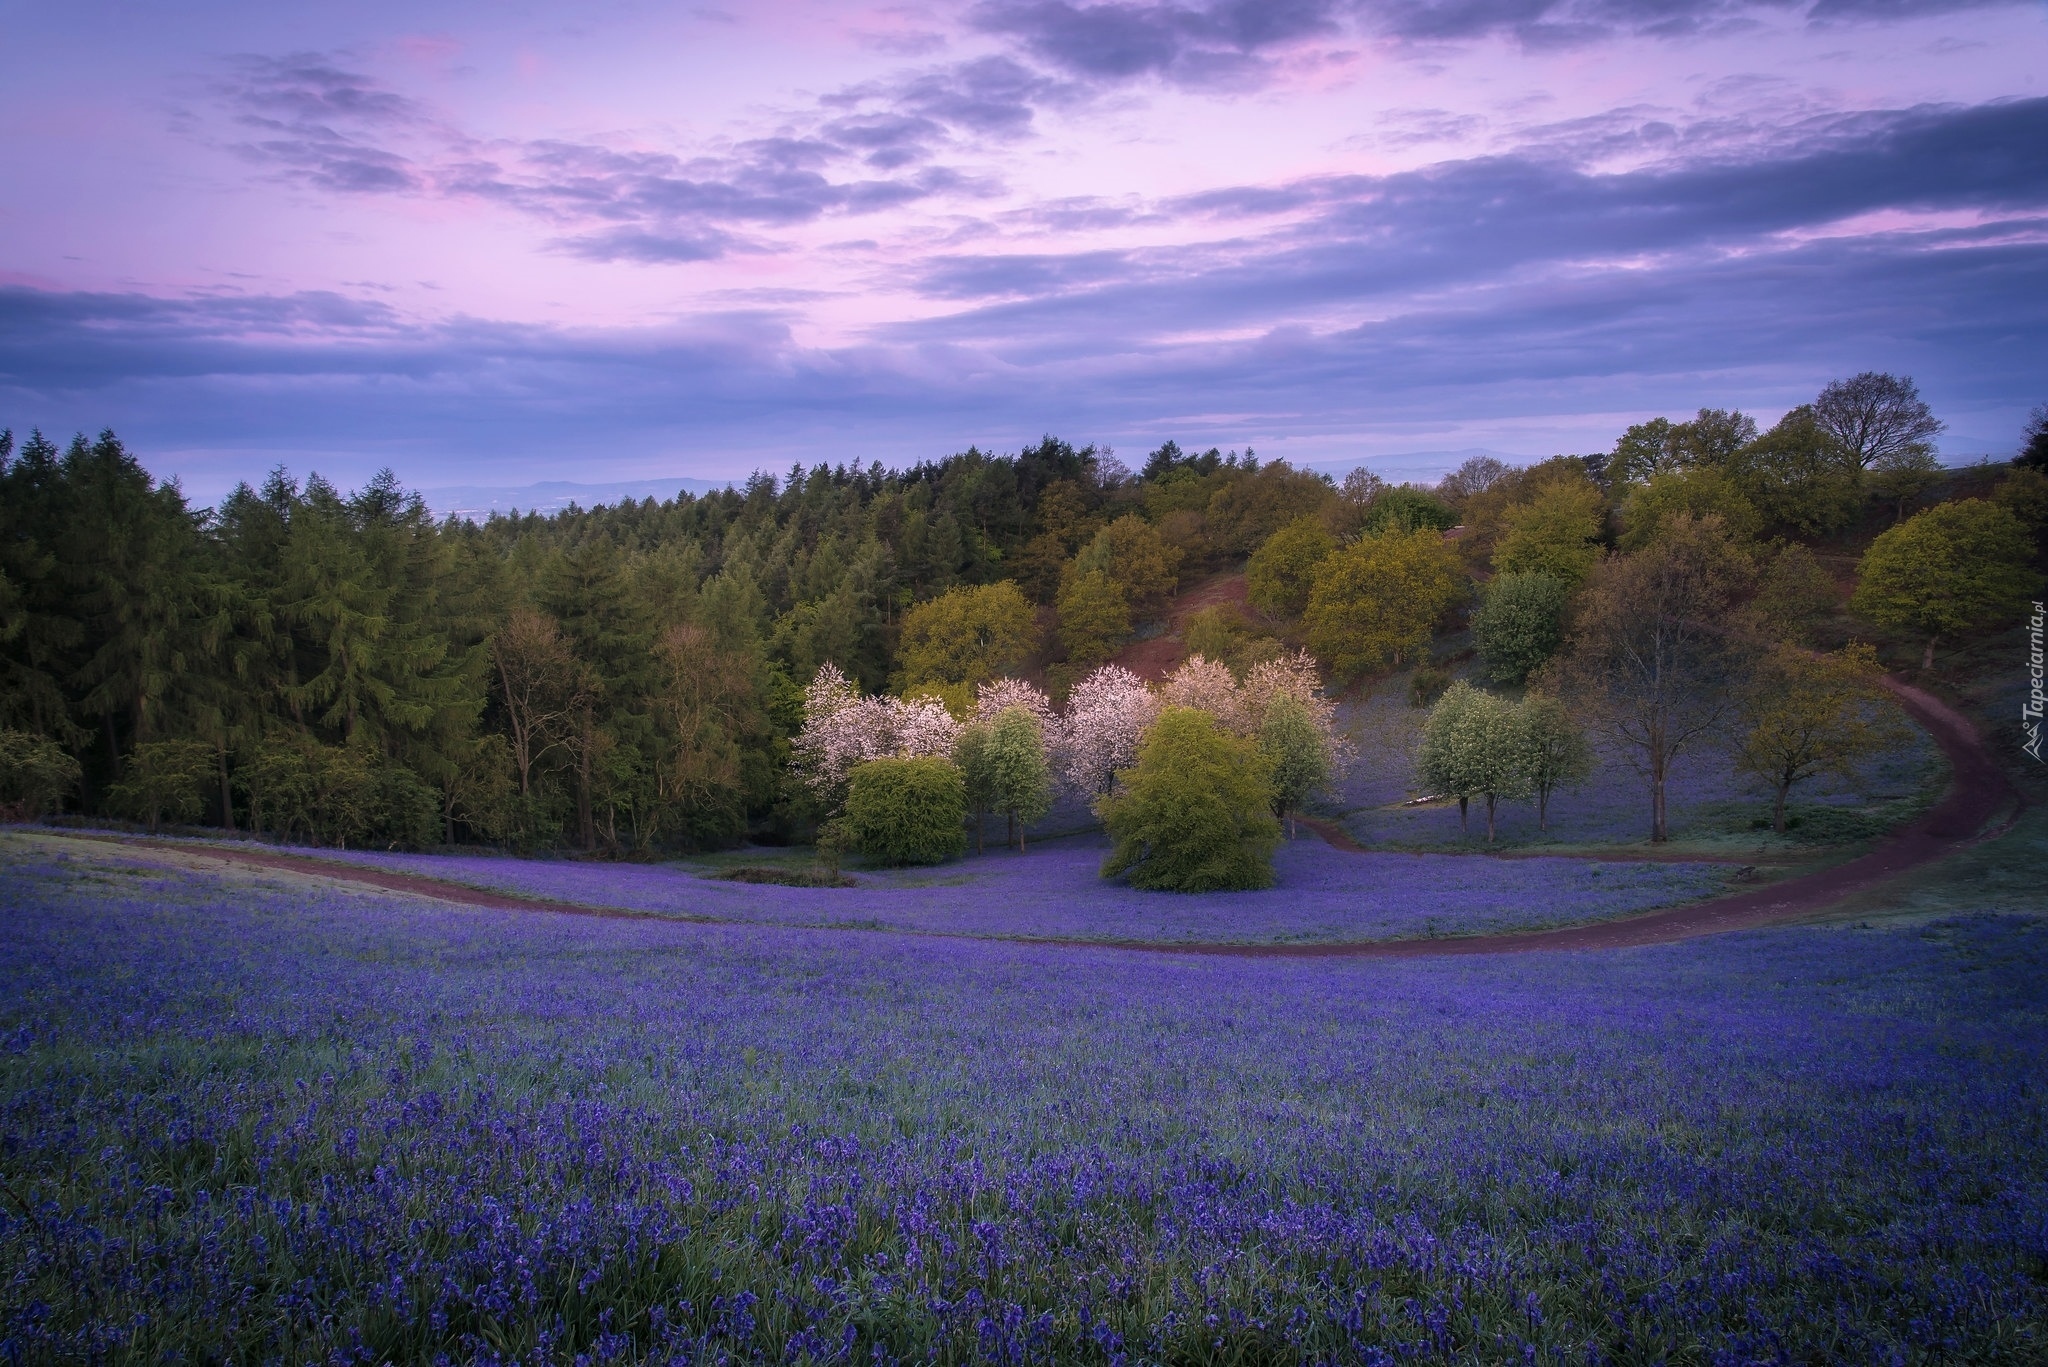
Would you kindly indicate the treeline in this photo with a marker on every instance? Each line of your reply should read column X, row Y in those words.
column 345, row 668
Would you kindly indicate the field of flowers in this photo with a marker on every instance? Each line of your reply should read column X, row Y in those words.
column 1055, row 892
column 250, row 1118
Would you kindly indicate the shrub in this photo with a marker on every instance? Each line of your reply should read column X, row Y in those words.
column 1197, row 814
column 1404, row 509
column 907, row 811
column 35, row 773
column 1519, row 625
column 164, row 780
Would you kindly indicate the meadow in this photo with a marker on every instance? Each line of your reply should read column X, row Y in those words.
column 260, row 1118
column 1055, row 892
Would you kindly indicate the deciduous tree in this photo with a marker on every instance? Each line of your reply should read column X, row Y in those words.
column 1519, row 624
column 1805, row 714
column 1196, row 815
column 1376, row 601
column 1955, row 567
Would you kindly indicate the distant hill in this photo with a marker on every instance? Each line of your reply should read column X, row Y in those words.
column 1421, row 467
column 478, row 501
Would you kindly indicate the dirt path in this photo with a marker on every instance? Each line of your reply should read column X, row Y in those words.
column 1153, row 660
column 1978, row 792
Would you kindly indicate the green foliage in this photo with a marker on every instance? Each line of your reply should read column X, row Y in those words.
column 1805, row 714
column 1134, row 557
column 1555, row 533
column 1701, row 492
column 967, row 635
column 1519, row 624
column 1955, row 567
column 2024, row 494
column 1799, row 477
column 1196, row 813
column 1794, row 593
column 35, row 775
column 1408, row 509
column 1019, row 777
column 1282, row 571
column 1297, row 752
column 165, row 779
column 1094, row 617
column 1554, row 752
column 906, row 811
column 1472, row 746
column 2034, row 441
column 1427, row 684
column 1376, row 601
column 977, row 774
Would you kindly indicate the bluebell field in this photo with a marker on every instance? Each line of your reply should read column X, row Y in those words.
column 1056, row 892
column 264, row 1120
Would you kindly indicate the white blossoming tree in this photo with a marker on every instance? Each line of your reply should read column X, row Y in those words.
column 842, row 730
column 1107, row 713
column 1207, row 686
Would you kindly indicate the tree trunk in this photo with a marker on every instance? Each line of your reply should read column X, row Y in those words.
column 1778, row 810
column 1657, row 832
column 227, row 793
column 980, row 825
column 1464, row 816
column 1927, row 655
column 1543, row 807
column 1489, row 818
column 1009, row 828
column 586, row 822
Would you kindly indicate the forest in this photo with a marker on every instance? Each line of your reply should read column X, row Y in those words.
column 345, row 668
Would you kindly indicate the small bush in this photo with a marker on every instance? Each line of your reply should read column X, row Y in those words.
column 907, row 811
column 1427, row 685
column 788, row 878
column 35, row 775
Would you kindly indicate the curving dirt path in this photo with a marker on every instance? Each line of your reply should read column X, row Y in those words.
column 1978, row 792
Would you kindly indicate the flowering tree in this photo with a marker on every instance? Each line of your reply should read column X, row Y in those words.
column 842, row 729
column 1294, row 676
column 1207, row 686
column 1107, row 713
column 998, row 695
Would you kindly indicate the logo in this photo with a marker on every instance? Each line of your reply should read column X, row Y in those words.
column 2030, row 710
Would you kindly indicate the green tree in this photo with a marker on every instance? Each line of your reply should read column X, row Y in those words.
column 1794, row 594
column 977, row 775
column 164, row 778
column 35, row 775
column 1472, row 747
column 1094, row 617
column 1554, row 751
column 1019, row 776
column 1955, row 567
column 1799, row 477
column 1298, row 753
column 1804, row 714
column 967, row 636
column 1282, row 571
column 1555, row 533
column 1196, row 812
column 1405, row 508
column 1696, row 493
column 906, row 811
column 2034, row 441
column 1519, row 624
column 1655, row 654
column 1134, row 557
column 1377, row 600
column 1900, row 476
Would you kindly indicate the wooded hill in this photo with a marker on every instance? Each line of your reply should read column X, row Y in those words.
column 346, row 668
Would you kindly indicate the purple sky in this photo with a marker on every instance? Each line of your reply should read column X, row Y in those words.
column 491, row 244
